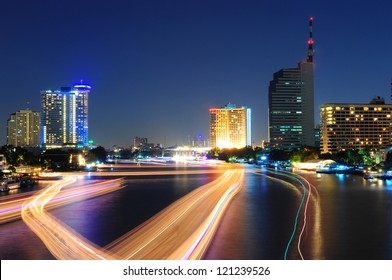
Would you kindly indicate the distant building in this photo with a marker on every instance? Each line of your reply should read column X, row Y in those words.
column 230, row 127
column 142, row 145
column 355, row 126
column 139, row 141
column 64, row 117
column 291, row 104
column 23, row 129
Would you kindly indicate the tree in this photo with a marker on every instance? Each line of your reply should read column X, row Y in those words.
column 97, row 154
column 55, row 159
column 213, row 153
column 279, row 155
column 17, row 155
column 326, row 156
column 125, row 154
column 388, row 161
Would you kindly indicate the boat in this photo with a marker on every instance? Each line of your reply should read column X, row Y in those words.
column 13, row 185
column 48, row 176
column 368, row 177
column 3, row 186
column 26, row 181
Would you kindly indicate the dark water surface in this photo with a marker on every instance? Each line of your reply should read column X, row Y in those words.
column 348, row 218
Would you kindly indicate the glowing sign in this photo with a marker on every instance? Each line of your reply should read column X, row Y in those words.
column 82, row 86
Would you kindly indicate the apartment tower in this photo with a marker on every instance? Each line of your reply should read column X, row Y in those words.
column 23, row 129
column 230, row 127
column 64, row 117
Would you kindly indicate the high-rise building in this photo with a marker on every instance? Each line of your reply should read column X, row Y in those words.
column 230, row 127
column 291, row 104
column 355, row 126
column 64, row 117
column 23, row 129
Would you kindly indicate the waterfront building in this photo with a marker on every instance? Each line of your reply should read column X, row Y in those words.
column 291, row 104
column 355, row 126
column 1, row 162
column 230, row 127
column 23, row 129
column 64, row 117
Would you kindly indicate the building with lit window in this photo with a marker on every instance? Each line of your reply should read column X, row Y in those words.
column 64, row 117
column 1, row 162
column 23, row 129
column 291, row 104
column 230, row 127
column 355, row 126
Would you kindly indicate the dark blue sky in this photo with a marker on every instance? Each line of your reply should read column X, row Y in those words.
column 156, row 67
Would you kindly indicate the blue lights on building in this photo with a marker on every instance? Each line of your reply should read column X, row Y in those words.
column 64, row 118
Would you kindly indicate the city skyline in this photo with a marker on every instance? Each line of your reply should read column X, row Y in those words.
column 156, row 68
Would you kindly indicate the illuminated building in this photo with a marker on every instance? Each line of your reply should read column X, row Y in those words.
column 230, row 127
column 291, row 104
column 355, row 126
column 64, row 117
column 1, row 162
column 23, row 129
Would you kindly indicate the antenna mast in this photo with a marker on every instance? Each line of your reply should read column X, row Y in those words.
column 309, row 58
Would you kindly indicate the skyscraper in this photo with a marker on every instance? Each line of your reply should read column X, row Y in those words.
column 230, row 127
column 291, row 104
column 64, row 118
column 23, row 129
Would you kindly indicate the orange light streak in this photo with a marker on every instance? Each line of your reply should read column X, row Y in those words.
column 182, row 230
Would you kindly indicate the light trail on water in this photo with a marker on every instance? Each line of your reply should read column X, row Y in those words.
column 306, row 194
column 61, row 240
column 10, row 207
column 183, row 230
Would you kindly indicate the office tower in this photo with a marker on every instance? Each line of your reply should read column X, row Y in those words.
column 64, row 117
column 291, row 104
column 23, row 129
column 355, row 126
column 230, row 127
column 317, row 137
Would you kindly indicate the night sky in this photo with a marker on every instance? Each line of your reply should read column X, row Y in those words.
column 157, row 66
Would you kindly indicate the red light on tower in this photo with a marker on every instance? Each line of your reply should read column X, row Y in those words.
column 310, row 42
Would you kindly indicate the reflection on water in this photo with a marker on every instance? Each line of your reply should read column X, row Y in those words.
column 351, row 219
